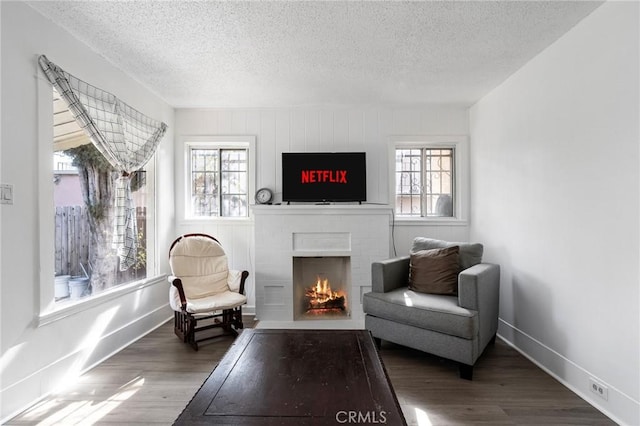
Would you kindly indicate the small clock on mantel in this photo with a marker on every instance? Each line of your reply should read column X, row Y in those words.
column 264, row 196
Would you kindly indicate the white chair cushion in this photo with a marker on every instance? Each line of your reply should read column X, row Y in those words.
column 233, row 280
column 176, row 305
column 174, row 299
column 218, row 302
column 202, row 266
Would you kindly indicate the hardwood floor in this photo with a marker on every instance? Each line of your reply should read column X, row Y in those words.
column 507, row 389
column 151, row 381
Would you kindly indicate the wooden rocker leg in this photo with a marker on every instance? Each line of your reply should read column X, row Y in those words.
column 181, row 325
column 186, row 325
column 226, row 321
column 237, row 318
column 191, row 332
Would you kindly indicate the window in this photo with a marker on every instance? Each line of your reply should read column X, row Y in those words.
column 425, row 182
column 219, row 178
column 430, row 178
column 83, row 195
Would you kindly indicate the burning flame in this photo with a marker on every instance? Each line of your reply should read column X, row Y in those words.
column 321, row 293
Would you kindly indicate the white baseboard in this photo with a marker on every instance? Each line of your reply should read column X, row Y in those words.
column 620, row 407
column 112, row 343
column 248, row 310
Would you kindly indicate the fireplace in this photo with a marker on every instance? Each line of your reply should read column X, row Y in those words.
column 339, row 241
column 321, row 287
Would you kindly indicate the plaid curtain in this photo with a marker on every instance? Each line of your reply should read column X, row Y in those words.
column 126, row 137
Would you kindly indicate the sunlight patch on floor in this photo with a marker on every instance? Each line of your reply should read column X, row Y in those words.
column 57, row 412
column 422, row 418
column 103, row 408
column 60, row 414
column 41, row 409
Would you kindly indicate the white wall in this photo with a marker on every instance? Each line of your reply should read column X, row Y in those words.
column 339, row 128
column 35, row 359
column 555, row 195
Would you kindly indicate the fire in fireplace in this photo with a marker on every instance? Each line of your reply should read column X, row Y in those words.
column 321, row 287
column 321, row 297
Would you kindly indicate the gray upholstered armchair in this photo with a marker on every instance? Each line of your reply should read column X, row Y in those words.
column 456, row 326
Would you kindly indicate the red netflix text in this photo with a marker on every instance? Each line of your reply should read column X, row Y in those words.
column 324, row 176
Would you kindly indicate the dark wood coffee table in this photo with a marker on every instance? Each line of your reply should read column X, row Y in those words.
column 297, row 377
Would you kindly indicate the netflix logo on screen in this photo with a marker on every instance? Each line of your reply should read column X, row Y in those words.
column 317, row 176
column 324, row 177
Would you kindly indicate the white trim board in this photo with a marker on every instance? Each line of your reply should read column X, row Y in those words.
column 571, row 375
column 128, row 333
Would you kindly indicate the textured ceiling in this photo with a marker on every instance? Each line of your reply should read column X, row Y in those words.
column 227, row 54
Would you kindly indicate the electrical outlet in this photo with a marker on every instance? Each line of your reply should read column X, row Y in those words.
column 599, row 389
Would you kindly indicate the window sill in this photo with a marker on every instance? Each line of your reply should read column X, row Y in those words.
column 424, row 221
column 61, row 310
column 200, row 219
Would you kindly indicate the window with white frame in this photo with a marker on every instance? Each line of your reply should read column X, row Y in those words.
column 218, row 178
column 83, row 194
column 426, row 180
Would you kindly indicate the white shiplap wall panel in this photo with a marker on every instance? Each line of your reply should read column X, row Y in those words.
column 297, row 133
column 253, row 121
column 208, row 122
column 369, row 129
column 313, row 140
column 266, row 142
column 225, row 122
column 326, row 130
column 283, row 144
column 340, row 130
column 406, row 122
column 376, row 181
column 356, row 130
column 239, row 121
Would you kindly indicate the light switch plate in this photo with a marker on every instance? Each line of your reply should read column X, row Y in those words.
column 6, row 193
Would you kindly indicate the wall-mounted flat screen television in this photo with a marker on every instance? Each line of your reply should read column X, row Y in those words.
column 324, row 176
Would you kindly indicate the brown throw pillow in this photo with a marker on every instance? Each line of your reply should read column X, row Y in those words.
column 434, row 271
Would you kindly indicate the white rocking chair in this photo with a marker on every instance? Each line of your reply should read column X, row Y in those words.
column 204, row 289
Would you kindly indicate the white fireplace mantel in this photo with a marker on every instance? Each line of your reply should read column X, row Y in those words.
column 322, row 209
column 283, row 232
